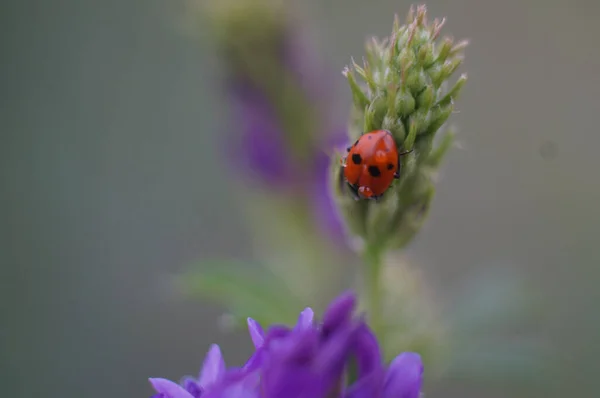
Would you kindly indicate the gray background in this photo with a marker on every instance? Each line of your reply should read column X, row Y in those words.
column 108, row 124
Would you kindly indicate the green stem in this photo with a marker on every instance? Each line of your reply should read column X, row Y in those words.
column 373, row 257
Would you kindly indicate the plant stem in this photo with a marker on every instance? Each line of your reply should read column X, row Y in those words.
column 373, row 257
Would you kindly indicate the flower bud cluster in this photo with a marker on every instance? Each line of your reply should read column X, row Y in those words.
column 402, row 86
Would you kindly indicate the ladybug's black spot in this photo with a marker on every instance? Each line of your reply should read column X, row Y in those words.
column 356, row 158
column 374, row 171
column 390, row 166
column 369, row 137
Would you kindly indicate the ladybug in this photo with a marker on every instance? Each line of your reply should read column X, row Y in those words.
column 371, row 165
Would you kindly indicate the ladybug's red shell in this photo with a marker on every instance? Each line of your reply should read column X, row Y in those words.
column 372, row 164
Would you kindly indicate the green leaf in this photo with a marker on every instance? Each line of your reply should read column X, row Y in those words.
column 247, row 290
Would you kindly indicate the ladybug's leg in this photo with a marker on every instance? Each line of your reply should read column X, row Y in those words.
column 377, row 199
column 346, row 185
column 354, row 191
column 397, row 173
column 341, row 179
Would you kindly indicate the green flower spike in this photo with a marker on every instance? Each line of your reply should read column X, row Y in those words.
column 402, row 86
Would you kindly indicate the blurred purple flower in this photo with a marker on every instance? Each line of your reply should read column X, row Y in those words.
column 307, row 361
column 275, row 146
column 260, row 146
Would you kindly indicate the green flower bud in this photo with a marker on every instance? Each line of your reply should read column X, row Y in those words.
column 426, row 56
column 405, row 103
column 376, row 111
column 402, row 88
column 406, row 58
column 425, row 99
column 435, row 73
column 412, row 135
column 452, row 94
column 412, row 217
column 420, row 17
column 439, row 116
column 450, row 67
column 421, row 120
column 398, row 131
column 445, row 50
column 391, row 101
column 357, row 95
column 416, row 80
column 377, row 218
column 388, row 122
column 437, row 155
column 459, row 47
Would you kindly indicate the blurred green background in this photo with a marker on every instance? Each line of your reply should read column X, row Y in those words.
column 110, row 183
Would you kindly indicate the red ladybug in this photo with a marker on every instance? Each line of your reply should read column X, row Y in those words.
column 371, row 165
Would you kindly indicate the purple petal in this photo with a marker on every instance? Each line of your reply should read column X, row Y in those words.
column 256, row 360
column 289, row 371
column 305, row 320
column 169, row 389
column 404, row 376
column 366, row 349
column 256, row 333
column 192, row 386
column 240, row 376
column 259, row 143
column 370, row 365
column 339, row 311
column 238, row 385
column 232, row 392
column 213, row 368
column 335, row 353
column 366, row 387
column 294, row 382
column 276, row 332
column 299, row 347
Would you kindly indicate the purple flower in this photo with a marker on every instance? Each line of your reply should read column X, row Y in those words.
column 309, row 360
column 281, row 131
